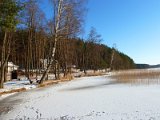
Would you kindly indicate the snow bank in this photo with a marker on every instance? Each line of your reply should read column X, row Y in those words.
column 15, row 84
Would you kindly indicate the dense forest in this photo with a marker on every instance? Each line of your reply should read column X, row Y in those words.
column 39, row 45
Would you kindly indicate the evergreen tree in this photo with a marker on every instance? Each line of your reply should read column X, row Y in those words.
column 9, row 10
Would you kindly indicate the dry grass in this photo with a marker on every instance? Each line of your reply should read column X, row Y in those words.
column 52, row 82
column 96, row 73
column 67, row 77
column 48, row 82
column 13, row 91
column 144, row 76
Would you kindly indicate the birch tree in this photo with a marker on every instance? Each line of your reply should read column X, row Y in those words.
column 66, row 21
column 58, row 9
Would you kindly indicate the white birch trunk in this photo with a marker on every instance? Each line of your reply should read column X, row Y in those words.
column 57, row 26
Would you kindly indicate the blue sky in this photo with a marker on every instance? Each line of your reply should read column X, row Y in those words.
column 134, row 25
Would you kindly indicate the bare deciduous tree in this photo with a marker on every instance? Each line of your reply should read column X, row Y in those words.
column 66, row 23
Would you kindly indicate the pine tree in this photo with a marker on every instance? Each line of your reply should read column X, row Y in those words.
column 9, row 10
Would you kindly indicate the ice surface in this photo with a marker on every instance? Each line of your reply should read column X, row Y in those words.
column 88, row 98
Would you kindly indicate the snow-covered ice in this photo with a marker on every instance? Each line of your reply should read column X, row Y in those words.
column 87, row 98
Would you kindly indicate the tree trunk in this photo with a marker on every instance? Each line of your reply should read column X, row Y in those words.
column 50, row 64
column 3, row 60
column 2, row 76
column 58, row 71
column 57, row 25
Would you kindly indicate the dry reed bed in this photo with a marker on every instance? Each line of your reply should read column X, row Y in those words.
column 137, row 76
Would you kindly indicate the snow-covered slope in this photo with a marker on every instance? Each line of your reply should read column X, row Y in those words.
column 88, row 98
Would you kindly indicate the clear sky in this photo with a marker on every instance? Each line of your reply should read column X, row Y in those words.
column 134, row 25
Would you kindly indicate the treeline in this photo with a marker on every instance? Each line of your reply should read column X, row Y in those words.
column 84, row 54
column 146, row 66
column 39, row 45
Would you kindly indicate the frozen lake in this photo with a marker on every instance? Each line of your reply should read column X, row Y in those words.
column 87, row 98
